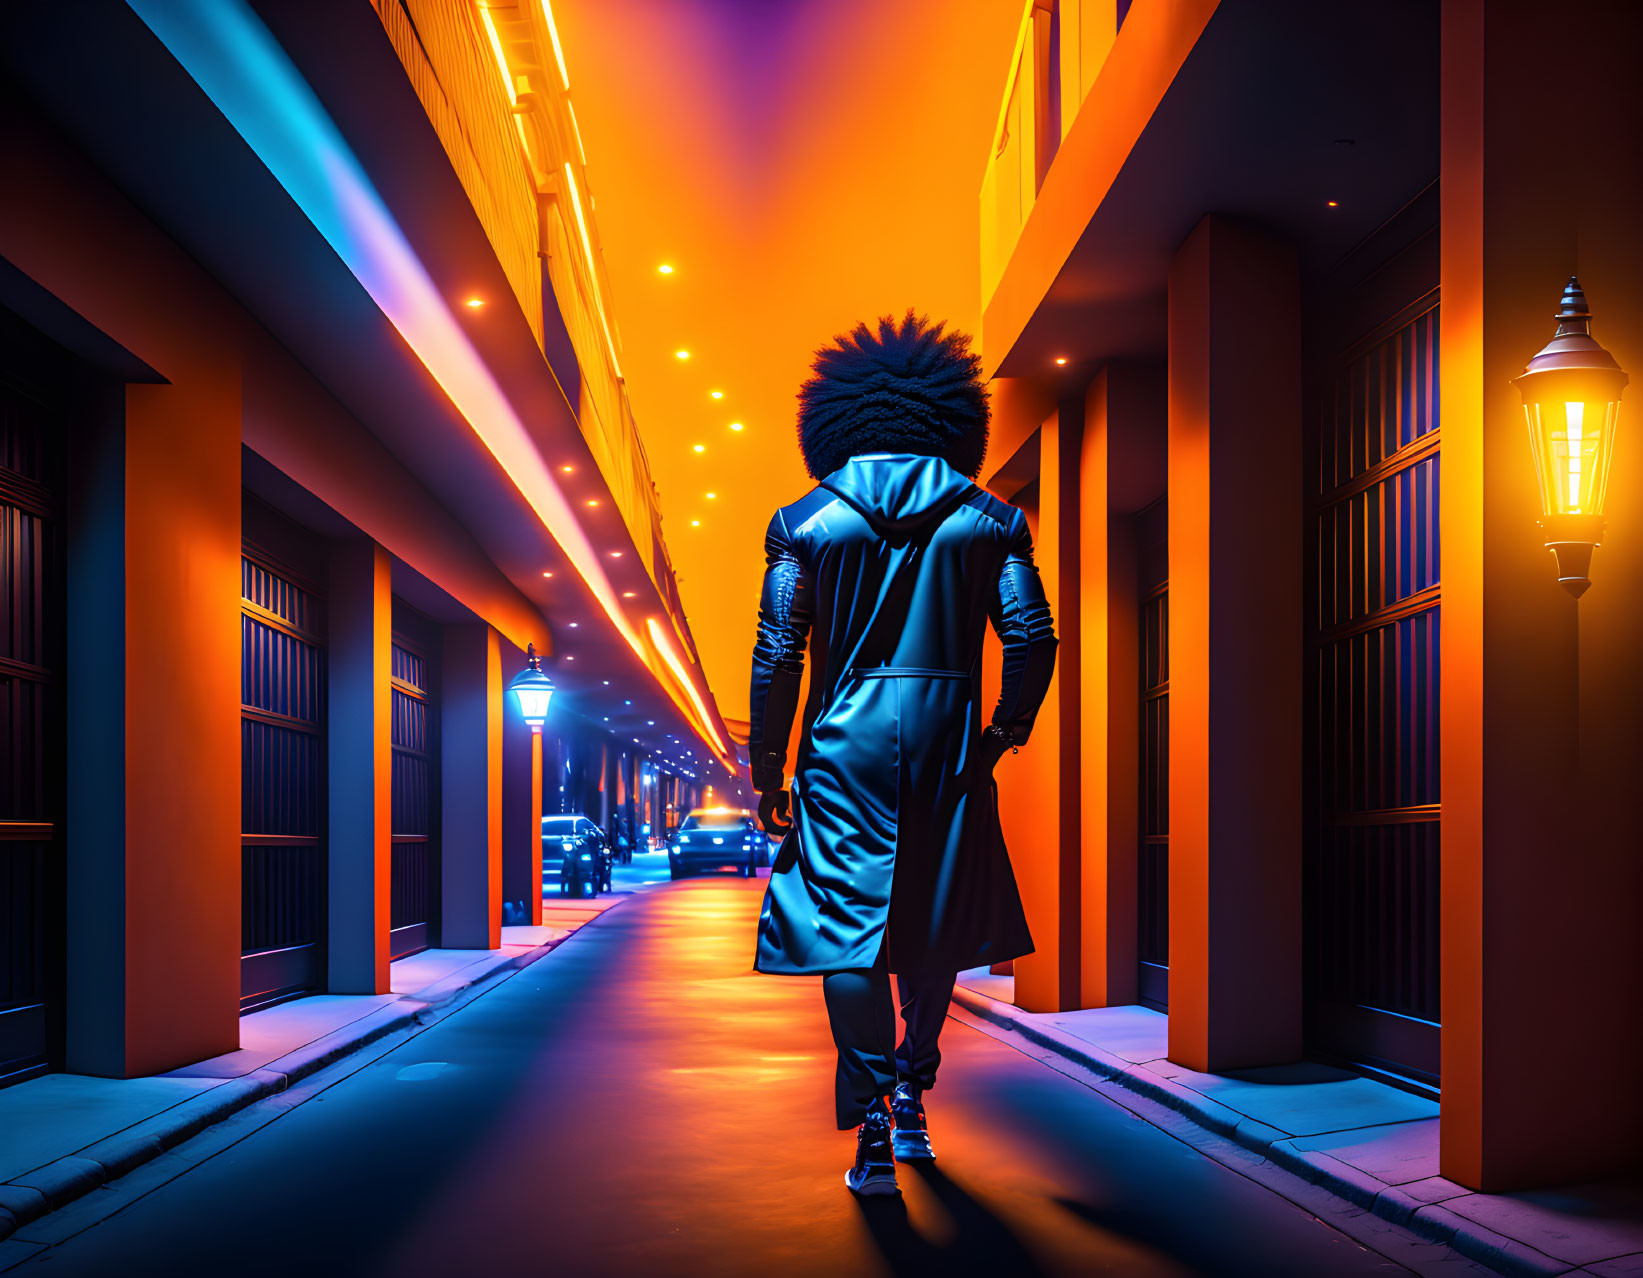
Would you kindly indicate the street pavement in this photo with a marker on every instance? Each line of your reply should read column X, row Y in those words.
column 639, row 1102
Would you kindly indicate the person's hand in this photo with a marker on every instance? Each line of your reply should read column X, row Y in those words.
column 995, row 744
column 773, row 811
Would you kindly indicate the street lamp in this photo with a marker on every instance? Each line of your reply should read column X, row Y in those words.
column 533, row 689
column 1571, row 399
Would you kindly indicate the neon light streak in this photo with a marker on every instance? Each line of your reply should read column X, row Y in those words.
column 593, row 269
column 233, row 57
column 507, row 78
column 558, row 53
column 576, row 130
column 496, row 48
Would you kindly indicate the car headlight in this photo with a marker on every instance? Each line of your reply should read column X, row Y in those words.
column 566, row 846
column 586, row 856
column 718, row 841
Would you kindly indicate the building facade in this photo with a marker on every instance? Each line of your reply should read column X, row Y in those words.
column 1333, row 768
column 311, row 426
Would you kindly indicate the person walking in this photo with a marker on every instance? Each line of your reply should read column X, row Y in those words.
column 892, row 858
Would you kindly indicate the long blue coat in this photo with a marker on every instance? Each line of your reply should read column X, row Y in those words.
column 890, row 570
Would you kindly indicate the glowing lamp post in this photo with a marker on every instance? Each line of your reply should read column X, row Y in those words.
column 533, row 689
column 1571, row 398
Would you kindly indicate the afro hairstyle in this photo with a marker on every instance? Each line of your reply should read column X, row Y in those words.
column 909, row 387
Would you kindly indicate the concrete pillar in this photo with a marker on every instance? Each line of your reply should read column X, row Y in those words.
column 1235, row 526
column 1542, row 698
column 471, row 789
column 1121, row 469
column 1041, row 816
column 359, row 751
column 153, row 963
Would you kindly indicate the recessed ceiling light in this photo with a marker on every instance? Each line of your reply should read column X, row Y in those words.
column 593, row 501
column 711, row 496
column 474, row 303
column 1334, row 204
column 699, row 448
column 629, row 594
column 695, row 523
column 664, row 269
column 568, row 469
column 1060, row 359
column 616, row 554
column 716, row 394
column 735, row 426
column 547, row 574
column 681, row 354
column 575, row 624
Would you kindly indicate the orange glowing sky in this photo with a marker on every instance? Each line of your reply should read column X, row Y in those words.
column 801, row 164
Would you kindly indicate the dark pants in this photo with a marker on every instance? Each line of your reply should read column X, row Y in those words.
column 864, row 1029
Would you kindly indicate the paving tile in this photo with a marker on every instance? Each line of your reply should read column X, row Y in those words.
column 1137, row 1034
column 1619, row 1267
column 1309, row 1099
column 1433, row 1189
column 1499, row 1251
column 1397, row 1153
column 50, row 1117
column 14, row 1251
column 271, row 1033
column 982, row 981
column 1580, row 1225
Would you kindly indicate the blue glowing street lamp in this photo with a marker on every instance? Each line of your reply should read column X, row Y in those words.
column 533, row 690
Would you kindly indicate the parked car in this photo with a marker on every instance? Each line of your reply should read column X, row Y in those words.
column 583, row 851
column 717, row 839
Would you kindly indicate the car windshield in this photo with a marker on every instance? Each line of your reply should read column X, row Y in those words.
column 727, row 820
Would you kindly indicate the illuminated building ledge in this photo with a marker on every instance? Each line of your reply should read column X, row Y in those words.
column 252, row 80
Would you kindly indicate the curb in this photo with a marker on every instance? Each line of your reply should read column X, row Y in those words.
column 54, row 1185
column 1431, row 1221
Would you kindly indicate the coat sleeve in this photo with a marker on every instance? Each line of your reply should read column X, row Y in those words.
column 1021, row 615
column 778, row 657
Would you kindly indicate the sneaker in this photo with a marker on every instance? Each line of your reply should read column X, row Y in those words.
column 875, row 1169
column 911, row 1140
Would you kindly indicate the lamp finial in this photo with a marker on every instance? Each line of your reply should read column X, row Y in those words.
column 1574, row 316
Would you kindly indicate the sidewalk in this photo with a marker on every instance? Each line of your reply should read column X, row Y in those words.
column 1362, row 1141
column 64, row 1135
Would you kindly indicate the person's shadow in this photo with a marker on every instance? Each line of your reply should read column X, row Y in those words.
column 981, row 1244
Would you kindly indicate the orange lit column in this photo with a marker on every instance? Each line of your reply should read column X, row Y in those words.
column 153, row 963
column 1038, row 789
column 1542, row 699
column 359, row 749
column 1121, row 468
column 470, row 847
column 1235, row 654
column 521, row 810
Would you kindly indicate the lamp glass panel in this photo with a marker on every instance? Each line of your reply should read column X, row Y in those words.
column 1573, row 440
column 533, row 703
